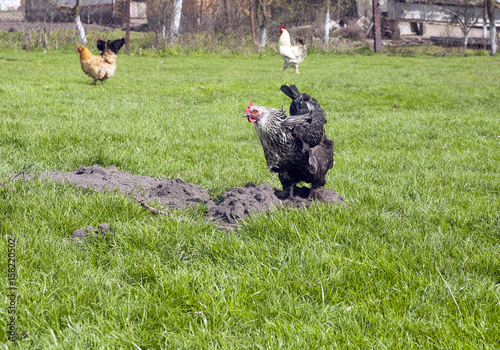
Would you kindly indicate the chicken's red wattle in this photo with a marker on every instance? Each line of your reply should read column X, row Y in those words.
column 251, row 119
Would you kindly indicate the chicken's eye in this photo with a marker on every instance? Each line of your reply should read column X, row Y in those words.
column 255, row 111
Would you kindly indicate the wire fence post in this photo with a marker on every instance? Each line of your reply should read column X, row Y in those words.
column 127, row 31
column 377, row 35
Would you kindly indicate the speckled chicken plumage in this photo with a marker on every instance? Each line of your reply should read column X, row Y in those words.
column 295, row 147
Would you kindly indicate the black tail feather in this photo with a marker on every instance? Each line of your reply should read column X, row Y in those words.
column 303, row 103
column 291, row 91
column 114, row 45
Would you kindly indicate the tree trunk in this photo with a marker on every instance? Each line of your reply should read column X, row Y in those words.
column 485, row 19
column 326, row 38
column 226, row 11
column 200, row 17
column 81, row 30
column 493, row 30
column 263, row 25
column 75, row 11
column 377, row 34
column 252, row 21
column 127, row 26
column 263, row 36
column 176, row 20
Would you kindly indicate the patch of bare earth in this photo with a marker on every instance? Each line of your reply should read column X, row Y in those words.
column 176, row 193
column 240, row 202
column 234, row 206
column 102, row 230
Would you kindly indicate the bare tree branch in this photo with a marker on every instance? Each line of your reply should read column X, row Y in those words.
column 465, row 17
column 19, row 173
column 73, row 11
column 150, row 208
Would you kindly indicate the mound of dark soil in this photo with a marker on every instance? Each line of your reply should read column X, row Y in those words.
column 234, row 206
column 82, row 233
column 239, row 202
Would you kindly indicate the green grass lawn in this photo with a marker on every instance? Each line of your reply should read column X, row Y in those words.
column 421, row 183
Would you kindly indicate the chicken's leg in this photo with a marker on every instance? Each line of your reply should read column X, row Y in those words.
column 287, row 183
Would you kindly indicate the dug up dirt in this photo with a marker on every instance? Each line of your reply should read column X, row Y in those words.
column 233, row 207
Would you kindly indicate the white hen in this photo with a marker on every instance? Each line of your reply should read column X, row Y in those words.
column 292, row 55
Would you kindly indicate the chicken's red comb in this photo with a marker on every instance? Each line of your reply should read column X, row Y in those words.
column 248, row 108
column 282, row 28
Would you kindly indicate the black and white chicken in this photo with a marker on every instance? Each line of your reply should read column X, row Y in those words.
column 294, row 146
